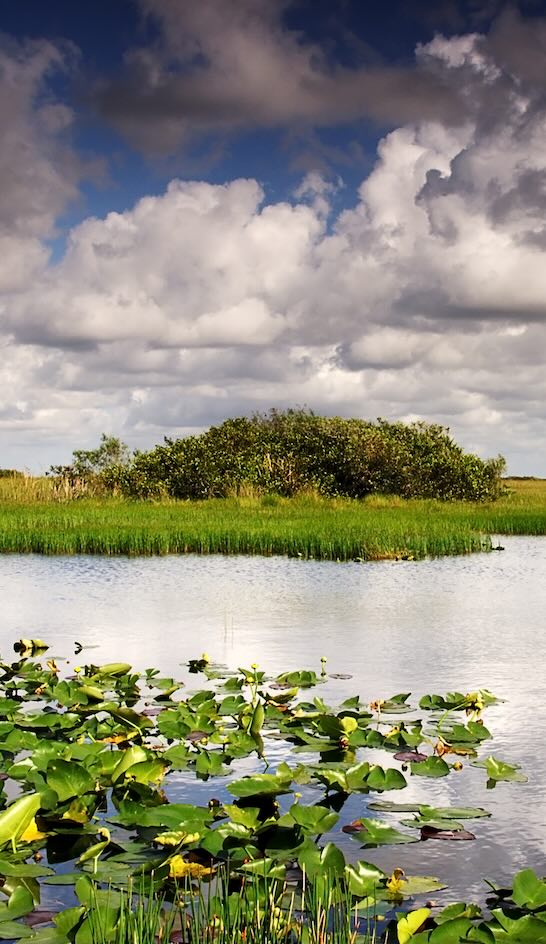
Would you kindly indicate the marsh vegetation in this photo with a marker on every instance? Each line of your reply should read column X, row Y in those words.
column 34, row 517
column 87, row 758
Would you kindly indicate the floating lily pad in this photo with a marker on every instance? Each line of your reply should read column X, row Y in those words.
column 499, row 770
column 432, row 832
column 373, row 832
column 431, row 767
column 410, row 757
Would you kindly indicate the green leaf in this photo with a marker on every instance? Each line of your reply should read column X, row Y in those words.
column 363, row 879
column 12, row 931
column 248, row 816
column 317, row 862
column 412, row 885
column 499, row 770
column 528, row 891
column 265, row 868
column 111, row 669
column 376, row 833
column 312, row 819
column 23, row 869
column 210, row 764
column 396, row 704
column 304, row 678
column 452, row 932
column 147, row 771
column 68, row 779
column 389, row 779
column 257, row 719
column 356, row 777
column 19, row 903
column 93, row 852
column 17, row 817
column 431, row 767
column 459, row 909
column 272, row 784
column 130, row 757
column 434, row 812
column 525, row 930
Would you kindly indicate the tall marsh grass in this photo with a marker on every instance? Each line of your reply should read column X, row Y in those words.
column 264, row 912
column 36, row 519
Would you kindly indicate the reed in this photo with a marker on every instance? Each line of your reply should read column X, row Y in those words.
column 264, row 912
column 35, row 519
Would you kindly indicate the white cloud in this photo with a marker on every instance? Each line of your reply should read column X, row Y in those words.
column 426, row 299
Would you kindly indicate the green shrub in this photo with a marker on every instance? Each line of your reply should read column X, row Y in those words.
column 288, row 452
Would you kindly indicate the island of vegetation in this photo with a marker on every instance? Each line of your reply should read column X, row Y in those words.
column 277, row 483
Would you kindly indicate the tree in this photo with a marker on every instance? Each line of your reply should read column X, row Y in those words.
column 111, row 452
column 93, row 470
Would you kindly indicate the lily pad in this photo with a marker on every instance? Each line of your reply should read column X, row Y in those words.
column 431, row 767
column 263, row 783
column 410, row 757
column 374, row 832
column 499, row 770
column 432, row 832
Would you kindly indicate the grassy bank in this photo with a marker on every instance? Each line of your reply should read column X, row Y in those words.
column 34, row 519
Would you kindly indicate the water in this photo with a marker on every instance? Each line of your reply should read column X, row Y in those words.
column 434, row 625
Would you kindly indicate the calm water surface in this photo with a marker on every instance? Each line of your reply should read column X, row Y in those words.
column 435, row 625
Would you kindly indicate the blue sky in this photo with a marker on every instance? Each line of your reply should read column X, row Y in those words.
column 211, row 208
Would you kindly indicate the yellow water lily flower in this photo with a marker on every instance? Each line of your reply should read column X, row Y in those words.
column 396, row 882
column 181, row 868
column 32, row 833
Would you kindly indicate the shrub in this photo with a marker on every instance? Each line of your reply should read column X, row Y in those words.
column 289, row 452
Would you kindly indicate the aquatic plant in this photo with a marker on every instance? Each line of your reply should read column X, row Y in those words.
column 92, row 750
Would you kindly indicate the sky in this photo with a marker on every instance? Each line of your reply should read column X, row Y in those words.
column 213, row 207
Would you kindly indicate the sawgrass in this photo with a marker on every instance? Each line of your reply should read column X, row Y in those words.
column 35, row 519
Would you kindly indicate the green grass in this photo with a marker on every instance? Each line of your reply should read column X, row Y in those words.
column 34, row 519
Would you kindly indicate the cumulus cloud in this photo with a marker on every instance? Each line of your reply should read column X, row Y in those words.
column 225, row 65
column 39, row 170
column 425, row 299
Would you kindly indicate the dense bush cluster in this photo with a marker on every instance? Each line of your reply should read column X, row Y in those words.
column 289, row 452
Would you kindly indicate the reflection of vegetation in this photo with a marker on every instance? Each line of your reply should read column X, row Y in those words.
column 34, row 518
column 293, row 452
column 92, row 754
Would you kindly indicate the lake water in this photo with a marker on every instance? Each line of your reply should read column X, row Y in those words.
column 429, row 626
